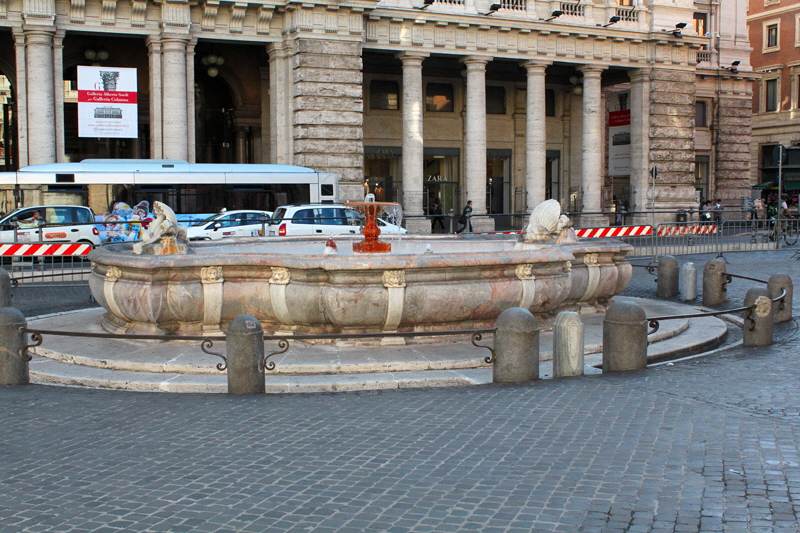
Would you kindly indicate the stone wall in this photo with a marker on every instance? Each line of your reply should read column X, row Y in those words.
column 672, row 99
column 328, row 111
column 734, row 132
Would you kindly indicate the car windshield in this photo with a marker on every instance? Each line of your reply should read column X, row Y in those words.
column 278, row 215
column 205, row 221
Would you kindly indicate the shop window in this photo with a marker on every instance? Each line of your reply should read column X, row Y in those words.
column 384, row 94
column 439, row 97
column 700, row 115
column 771, row 96
column 549, row 103
column 495, row 100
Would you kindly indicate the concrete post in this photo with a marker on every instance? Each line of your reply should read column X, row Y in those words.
column 516, row 345
column 245, row 356
column 624, row 337
column 667, row 277
column 13, row 367
column 758, row 329
column 715, row 278
column 688, row 282
column 5, row 288
column 778, row 282
column 568, row 345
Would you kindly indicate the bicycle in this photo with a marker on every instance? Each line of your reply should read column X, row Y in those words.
column 786, row 229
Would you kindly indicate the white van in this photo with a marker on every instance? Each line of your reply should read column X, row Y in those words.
column 50, row 224
column 322, row 219
column 239, row 223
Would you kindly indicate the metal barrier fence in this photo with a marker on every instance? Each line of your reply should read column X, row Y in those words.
column 51, row 270
column 681, row 238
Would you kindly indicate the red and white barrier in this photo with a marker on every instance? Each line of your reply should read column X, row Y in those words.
column 693, row 229
column 36, row 250
column 615, row 231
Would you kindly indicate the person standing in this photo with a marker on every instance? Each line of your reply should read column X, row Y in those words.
column 718, row 211
column 436, row 212
column 466, row 218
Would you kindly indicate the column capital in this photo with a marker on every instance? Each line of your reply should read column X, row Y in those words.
column 412, row 59
column 38, row 35
column 533, row 65
column 476, row 62
column 591, row 71
column 639, row 74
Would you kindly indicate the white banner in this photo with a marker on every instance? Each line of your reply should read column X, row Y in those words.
column 107, row 102
column 619, row 143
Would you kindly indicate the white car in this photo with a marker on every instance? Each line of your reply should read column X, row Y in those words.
column 50, row 224
column 240, row 223
column 323, row 219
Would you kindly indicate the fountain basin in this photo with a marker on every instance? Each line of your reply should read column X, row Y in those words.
column 427, row 283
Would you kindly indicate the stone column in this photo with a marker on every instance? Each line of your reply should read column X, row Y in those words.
column 58, row 87
column 241, row 144
column 262, row 147
column 173, row 97
column 41, row 96
column 154, row 62
column 413, row 164
column 592, row 159
column 535, row 135
column 280, row 106
column 191, row 136
column 640, row 140
column 475, row 137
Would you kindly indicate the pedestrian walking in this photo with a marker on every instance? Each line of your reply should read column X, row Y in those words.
column 437, row 217
column 466, row 218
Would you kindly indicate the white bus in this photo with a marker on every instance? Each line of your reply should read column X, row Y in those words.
column 186, row 187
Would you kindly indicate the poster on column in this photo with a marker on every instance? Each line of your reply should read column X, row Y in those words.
column 107, row 102
column 619, row 143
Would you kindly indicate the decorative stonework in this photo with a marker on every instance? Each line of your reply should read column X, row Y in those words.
column 108, row 13
column 176, row 14
column 763, row 306
column 568, row 266
column 394, row 279
column 238, row 11
column 280, row 276
column 210, row 9
column 525, row 272
column 264, row 19
column 591, row 259
column 77, row 11
column 211, row 274
column 138, row 13
column 113, row 274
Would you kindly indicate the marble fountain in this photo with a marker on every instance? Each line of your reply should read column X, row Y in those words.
column 312, row 285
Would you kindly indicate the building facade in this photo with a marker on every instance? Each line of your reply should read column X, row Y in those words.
column 774, row 27
column 595, row 103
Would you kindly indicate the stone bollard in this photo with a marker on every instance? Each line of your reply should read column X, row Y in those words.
column 516, row 345
column 13, row 368
column 5, row 288
column 688, row 282
column 245, row 341
column 667, row 277
column 624, row 337
column 715, row 278
column 758, row 329
column 777, row 282
column 568, row 345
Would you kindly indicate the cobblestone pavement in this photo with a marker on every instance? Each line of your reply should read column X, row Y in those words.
column 707, row 444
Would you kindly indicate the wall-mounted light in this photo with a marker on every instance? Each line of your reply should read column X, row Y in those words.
column 612, row 20
column 426, row 4
column 554, row 15
column 492, row 9
column 734, row 68
column 212, row 61
column 677, row 32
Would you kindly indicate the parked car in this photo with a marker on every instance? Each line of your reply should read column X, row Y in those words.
column 50, row 224
column 240, row 223
column 322, row 219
